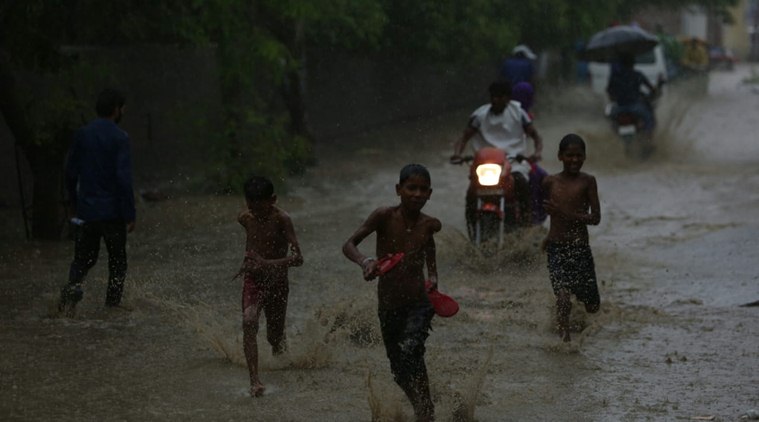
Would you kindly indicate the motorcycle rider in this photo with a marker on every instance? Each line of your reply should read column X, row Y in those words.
column 695, row 57
column 624, row 89
column 502, row 124
column 695, row 64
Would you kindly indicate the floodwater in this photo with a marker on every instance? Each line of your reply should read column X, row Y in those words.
column 676, row 254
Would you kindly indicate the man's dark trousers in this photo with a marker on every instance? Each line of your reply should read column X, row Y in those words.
column 86, row 253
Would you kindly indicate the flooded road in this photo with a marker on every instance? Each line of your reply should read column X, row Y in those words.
column 676, row 254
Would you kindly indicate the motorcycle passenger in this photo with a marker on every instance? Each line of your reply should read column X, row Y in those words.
column 624, row 89
column 502, row 124
column 523, row 93
column 519, row 67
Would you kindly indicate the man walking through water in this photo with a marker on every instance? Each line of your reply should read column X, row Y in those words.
column 503, row 124
column 99, row 184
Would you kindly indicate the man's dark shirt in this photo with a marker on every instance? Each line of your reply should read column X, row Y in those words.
column 99, row 173
column 624, row 85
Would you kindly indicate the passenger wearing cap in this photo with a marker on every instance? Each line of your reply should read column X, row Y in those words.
column 519, row 67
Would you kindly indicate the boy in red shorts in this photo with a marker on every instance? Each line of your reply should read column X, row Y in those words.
column 404, row 309
column 270, row 235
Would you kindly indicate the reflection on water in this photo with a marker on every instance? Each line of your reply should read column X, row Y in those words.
column 672, row 251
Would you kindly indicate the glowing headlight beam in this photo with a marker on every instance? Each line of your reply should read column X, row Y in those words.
column 488, row 174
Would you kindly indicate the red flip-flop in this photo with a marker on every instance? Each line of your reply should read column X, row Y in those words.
column 445, row 306
column 387, row 262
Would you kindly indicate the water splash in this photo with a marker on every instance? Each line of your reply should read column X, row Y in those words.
column 466, row 401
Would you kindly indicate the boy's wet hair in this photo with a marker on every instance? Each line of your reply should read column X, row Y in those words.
column 258, row 188
column 571, row 139
column 414, row 170
column 500, row 89
column 108, row 101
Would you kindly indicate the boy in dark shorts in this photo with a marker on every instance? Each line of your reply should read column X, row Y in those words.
column 404, row 310
column 572, row 202
column 269, row 236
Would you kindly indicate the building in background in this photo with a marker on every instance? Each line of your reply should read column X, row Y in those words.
column 750, row 18
column 739, row 36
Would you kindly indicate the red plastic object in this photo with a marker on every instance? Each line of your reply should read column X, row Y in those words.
column 445, row 306
column 387, row 262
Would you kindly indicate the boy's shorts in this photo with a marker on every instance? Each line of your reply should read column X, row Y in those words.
column 404, row 332
column 571, row 267
column 262, row 293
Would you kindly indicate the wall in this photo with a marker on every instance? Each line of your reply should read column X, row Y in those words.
column 736, row 36
column 652, row 18
column 694, row 23
column 350, row 94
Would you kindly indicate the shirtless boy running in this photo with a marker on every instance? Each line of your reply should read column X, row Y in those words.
column 404, row 310
column 572, row 204
column 270, row 235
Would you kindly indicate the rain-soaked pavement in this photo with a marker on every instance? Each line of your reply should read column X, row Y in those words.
column 676, row 254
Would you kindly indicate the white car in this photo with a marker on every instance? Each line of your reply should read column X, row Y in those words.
column 651, row 64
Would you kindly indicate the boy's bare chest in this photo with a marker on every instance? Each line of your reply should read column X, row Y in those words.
column 398, row 236
column 264, row 232
column 267, row 231
column 569, row 192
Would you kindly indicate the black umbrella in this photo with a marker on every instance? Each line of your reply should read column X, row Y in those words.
column 607, row 45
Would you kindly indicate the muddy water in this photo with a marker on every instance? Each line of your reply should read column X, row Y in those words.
column 675, row 254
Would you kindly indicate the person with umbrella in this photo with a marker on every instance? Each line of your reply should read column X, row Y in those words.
column 607, row 45
column 624, row 89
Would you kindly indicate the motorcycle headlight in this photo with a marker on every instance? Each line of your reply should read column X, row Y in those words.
column 488, row 174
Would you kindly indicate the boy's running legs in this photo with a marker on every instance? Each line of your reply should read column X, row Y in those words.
column 275, row 310
column 404, row 332
column 250, row 324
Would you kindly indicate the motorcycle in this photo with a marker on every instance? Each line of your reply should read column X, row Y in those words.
column 492, row 208
column 629, row 126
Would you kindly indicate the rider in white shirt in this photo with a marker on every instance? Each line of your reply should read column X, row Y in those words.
column 503, row 124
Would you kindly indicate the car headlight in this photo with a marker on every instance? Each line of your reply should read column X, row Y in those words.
column 488, row 174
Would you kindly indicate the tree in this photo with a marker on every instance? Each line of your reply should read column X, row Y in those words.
column 261, row 52
column 42, row 125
